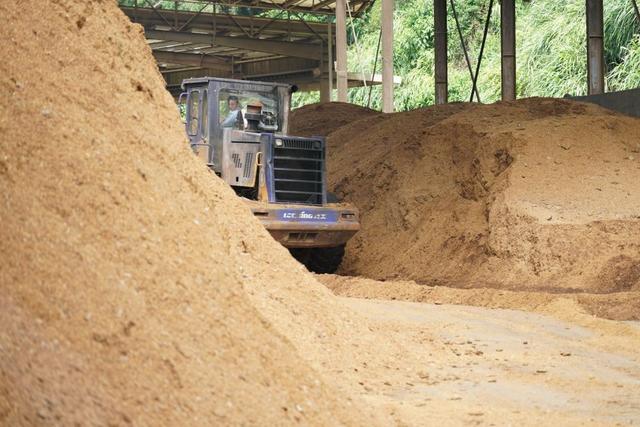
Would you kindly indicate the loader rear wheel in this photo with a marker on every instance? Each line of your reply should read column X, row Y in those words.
column 319, row 260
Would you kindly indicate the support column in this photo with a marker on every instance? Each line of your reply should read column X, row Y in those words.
column 595, row 48
column 440, row 42
column 341, row 50
column 330, row 61
column 325, row 94
column 508, row 41
column 387, row 56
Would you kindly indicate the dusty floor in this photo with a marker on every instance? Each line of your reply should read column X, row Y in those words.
column 495, row 367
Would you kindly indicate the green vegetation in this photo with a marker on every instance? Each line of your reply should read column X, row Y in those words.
column 551, row 50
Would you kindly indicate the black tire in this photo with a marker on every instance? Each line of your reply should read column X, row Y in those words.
column 332, row 198
column 319, row 260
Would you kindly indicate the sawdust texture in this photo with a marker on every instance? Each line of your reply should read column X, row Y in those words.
column 537, row 194
column 136, row 288
column 614, row 306
column 322, row 119
column 123, row 292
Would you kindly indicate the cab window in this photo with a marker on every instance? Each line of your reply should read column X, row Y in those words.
column 233, row 103
column 205, row 116
column 193, row 112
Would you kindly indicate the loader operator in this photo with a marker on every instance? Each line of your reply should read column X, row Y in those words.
column 234, row 117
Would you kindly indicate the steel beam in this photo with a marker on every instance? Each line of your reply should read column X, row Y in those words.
column 275, row 66
column 353, row 4
column 341, row 50
column 320, row 8
column 508, row 43
column 595, row 47
column 204, row 61
column 440, row 45
column 189, row 20
column 387, row 56
column 355, row 80
column 299, row 50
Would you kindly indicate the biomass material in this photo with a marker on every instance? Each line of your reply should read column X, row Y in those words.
column 614, row 306
column 135, row 288
column 322, row 119
column 538, row 194
column 121, row 290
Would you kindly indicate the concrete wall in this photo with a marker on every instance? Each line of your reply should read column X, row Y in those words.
column 625, row 101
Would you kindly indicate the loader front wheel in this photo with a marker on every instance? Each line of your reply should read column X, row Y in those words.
column 319, row 260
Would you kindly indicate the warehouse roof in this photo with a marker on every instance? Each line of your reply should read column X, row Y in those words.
column 267, row 39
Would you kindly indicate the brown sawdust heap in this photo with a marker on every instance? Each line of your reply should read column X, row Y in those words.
column 323, row 118
column 532, row 194
column 124, row 263
column 614, row 306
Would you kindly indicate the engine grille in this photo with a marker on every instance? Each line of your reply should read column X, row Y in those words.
column 248, row 162
column 298, row 167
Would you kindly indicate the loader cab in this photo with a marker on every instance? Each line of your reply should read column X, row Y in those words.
column 217, row 107
column 239, row 129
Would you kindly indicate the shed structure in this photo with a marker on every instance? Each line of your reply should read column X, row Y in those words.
column 304, row 42
column 291, row 41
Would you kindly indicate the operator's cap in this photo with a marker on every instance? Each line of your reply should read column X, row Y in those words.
column 254, row 107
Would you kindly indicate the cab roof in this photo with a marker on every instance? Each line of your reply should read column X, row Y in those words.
column 206, row 80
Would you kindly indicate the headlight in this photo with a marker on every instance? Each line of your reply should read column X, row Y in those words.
column 278, row 142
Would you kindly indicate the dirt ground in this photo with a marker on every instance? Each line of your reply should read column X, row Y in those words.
column 137, row 289
column 497, row 367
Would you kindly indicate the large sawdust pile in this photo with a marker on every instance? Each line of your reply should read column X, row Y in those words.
column 124, row 263
column 323, row 118
column 533, row 194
